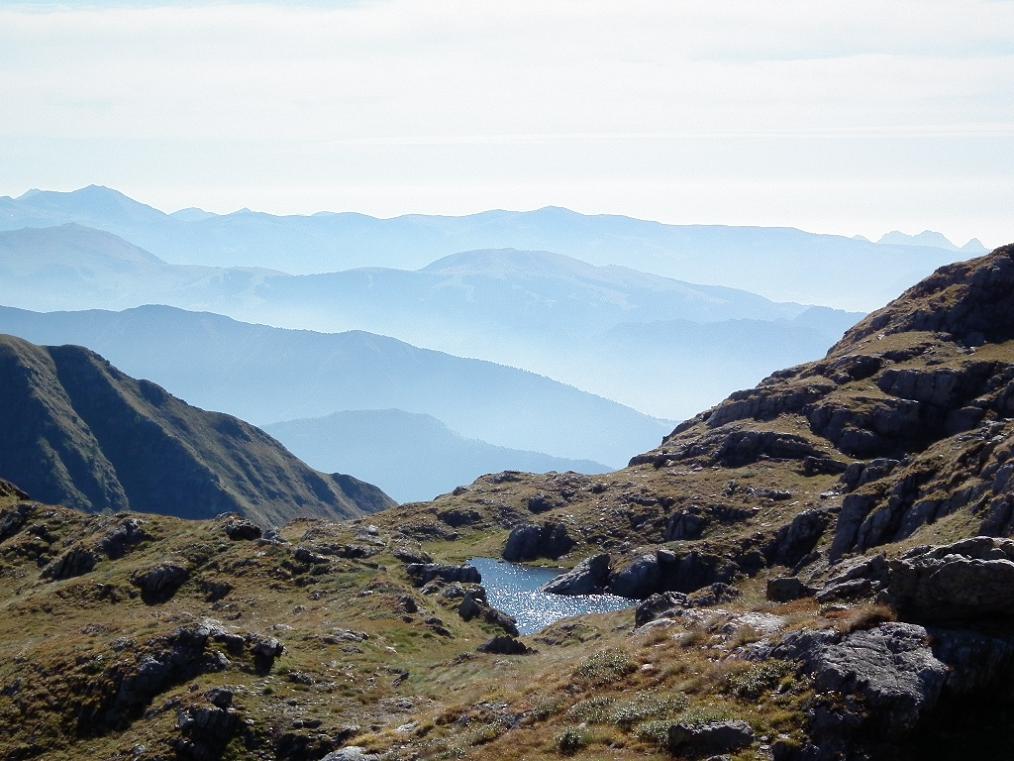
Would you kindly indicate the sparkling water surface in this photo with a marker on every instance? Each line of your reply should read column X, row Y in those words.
column 516, row 590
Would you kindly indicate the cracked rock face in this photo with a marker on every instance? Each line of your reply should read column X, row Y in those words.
column 890, row 667
column 970, row 580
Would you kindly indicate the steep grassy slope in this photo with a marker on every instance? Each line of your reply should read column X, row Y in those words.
column 81, row 433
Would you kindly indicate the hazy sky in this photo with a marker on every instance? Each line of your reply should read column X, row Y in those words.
column 853, row 117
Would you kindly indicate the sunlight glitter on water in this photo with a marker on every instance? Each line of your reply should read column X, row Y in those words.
column 517, row 590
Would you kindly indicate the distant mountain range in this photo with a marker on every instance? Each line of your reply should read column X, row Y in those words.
column 267, row 374
column 932, row 239
column 412, row 457
column 543, row 311
column 79, row 432
column 780, row 263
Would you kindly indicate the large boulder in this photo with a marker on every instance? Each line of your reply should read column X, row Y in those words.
column 891, row 667
column 970, row 580
column 590, row 576
column 531, row 541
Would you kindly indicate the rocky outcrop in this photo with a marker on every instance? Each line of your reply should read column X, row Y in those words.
column 590, row 576
column 160, row 582
column 206, row 728
column 659, row 605
column 505, row 645
column 123, row 537
column 795, row 541
column 74, row 562
column 873, row 686
column 128, row 687
column 968, row 581
column 532, row 541
column 475, row 605
column 638, row 578
column 422, row 573
column 240, row 530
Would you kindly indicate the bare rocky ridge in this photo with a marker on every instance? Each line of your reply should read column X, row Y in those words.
column 80, row 433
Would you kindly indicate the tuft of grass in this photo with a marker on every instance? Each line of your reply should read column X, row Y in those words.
column 647, row 705
column 547, row 707
column 865, row 617
column 606, row 667
column 592, row 711
column 744, row 635
column 570, row 741
column 700, row 715
column 655, row 732
column 487, row 732
column 693, row 637
column 752, row 682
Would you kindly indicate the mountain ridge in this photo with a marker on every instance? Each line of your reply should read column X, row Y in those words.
column 782, row 263
column 81, row 433
column 292, row 374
